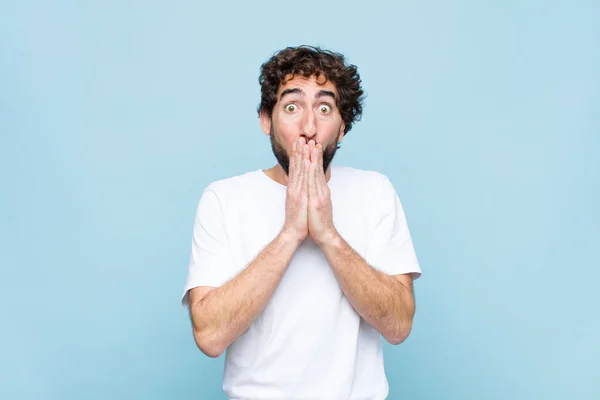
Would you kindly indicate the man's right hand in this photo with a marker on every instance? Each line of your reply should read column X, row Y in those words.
column 221, row 315
column 296, row 202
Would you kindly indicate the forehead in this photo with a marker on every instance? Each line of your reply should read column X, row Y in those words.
column 308, row 85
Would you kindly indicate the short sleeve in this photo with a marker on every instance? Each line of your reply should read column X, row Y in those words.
column 390, row 248
column 211, row 257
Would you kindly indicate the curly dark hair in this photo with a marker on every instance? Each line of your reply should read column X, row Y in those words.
column 307, row 61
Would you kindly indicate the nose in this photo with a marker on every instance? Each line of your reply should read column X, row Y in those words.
column 309, row 126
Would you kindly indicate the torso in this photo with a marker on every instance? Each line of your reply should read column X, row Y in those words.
column 309, row 342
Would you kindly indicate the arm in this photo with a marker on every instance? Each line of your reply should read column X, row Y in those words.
column 385, row 301
column 220, row 315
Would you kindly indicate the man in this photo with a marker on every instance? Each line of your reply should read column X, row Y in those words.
column 298, row 270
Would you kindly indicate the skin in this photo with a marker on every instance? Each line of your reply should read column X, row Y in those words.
column 305, row 111
column 306, row 121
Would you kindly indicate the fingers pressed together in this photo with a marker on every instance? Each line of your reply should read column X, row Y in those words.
column 306, row 167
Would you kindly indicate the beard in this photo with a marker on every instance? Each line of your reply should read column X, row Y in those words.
column 283, row 157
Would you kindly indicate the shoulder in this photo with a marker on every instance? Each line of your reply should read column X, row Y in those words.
column 362, row 179
column 218, row 194
column 233, row 184
column 374, row 187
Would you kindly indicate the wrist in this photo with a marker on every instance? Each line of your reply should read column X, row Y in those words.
column 288, row 236
column 329, row 239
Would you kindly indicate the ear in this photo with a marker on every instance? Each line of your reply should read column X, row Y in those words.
column 265, row 122
column 341, row 134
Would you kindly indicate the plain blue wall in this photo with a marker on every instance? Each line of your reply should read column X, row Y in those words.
column 115, row 115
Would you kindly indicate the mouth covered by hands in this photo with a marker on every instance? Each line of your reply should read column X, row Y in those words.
column 308, row 199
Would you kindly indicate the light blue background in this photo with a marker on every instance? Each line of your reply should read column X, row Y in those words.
column 114, row 116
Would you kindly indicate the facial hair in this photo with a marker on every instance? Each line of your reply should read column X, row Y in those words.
column 284, row 159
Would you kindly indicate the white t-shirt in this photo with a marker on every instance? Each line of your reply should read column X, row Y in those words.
column 309, row 342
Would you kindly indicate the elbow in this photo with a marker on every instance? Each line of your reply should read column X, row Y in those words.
column 398, row 335
column 209, row 344
column 211, row 351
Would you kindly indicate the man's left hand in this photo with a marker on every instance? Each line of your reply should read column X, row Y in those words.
column 320, row 210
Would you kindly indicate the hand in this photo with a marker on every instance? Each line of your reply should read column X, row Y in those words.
column 320, row 209
column 296, row 202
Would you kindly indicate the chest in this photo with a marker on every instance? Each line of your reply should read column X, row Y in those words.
column 257, row 220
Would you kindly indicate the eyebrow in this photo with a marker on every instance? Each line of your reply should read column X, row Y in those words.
column 320, row 93
column 325, row 93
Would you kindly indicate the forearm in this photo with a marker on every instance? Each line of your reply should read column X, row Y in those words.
column 382, row 300
column 226, row 312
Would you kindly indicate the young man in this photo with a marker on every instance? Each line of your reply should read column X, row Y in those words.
column 300, row 269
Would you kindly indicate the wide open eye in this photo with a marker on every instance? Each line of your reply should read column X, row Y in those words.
column 291, row 108
column 324, row 109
